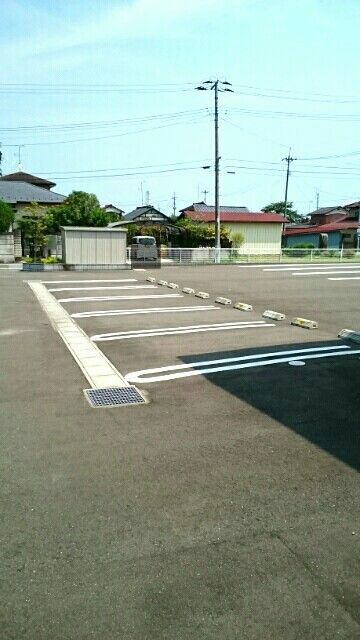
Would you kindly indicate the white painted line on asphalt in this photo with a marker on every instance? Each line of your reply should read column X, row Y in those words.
column 324, row 273
column 352, row 278
column 279, row 265
column 315, row 266
column 131, row 286
column 97, row 369
column 103, row 298
column 84, row 281
column 170, row 331
column 243, row 362
column 123, row 312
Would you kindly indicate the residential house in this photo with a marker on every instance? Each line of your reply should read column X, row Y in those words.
column 145, row 216
column 19, row 190
column 262, row 231
column 111, row 208
column 328, row 227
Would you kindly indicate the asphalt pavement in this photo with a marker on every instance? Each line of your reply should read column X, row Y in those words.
column 226, row 507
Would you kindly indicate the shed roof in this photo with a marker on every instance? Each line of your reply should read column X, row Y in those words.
column 13, row 192
column 108, row 229
column 227, row 216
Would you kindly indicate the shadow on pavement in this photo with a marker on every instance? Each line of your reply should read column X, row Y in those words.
column 319, row 401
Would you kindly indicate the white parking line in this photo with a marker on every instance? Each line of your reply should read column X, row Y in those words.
column 171, row 331
column 352, row 278
column 80, row 281
column 98, row 370
column 324, row 273
column 102, row 298
column 314, row 266
column 123, row 312
column 243, row 362
column 131, row 286
column 279, row 265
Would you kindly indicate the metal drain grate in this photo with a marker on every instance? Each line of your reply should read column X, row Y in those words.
column 113, row 397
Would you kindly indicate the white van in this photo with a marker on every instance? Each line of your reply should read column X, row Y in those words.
column 143, row 248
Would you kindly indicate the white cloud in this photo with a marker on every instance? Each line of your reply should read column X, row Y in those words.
column 139, row 19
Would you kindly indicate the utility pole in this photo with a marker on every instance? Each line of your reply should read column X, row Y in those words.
column 317, row 200
column 288, row 160
column 217, row 86
column 205, row 192
column 174, row 204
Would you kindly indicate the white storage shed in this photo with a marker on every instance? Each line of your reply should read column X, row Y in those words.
column 94, row 246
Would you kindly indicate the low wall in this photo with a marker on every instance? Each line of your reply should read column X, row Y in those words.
column 7, row 247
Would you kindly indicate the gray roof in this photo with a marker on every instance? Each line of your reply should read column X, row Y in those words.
column 139, row 211
column 66, row 228
column 16, row 192
column 201, row 207
column 324, row 210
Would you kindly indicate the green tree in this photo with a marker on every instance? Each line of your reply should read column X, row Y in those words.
column 279, row 207
column 198, row 234
column 80, row 209
column 237, row 239
column 33, row 227
column 7, row 217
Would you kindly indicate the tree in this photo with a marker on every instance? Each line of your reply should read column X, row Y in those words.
column 80, row 209
column 33, row 226
column 7, row 217
column 237, row 239
column 198, row 234
column 279, row 207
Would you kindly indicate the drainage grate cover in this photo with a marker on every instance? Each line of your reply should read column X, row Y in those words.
column 113, row 397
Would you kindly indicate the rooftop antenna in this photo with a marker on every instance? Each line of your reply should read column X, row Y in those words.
column 19, row 157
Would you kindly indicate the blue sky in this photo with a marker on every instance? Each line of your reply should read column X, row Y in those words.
column 124, row 73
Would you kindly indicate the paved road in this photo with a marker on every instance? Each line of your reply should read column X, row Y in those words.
column 225, row 508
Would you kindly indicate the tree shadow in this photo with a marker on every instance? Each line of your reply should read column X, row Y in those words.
column 319, row 401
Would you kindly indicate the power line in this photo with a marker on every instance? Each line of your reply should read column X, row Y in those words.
column 103, row 123
column 115, row 135
column 121, row 175
column 145, row 166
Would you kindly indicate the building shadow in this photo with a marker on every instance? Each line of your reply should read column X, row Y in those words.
column 319, row 401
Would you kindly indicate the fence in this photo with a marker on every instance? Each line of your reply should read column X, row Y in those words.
column 209, row 255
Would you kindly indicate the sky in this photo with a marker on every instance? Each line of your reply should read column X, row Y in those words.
column 100, row 96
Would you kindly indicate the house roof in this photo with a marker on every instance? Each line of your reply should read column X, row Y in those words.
column 21, row 176
column 139, row 211
column 202, row 207
column 352, row 205
column 320, row 228
column 324, row 210
column 16, row 192
column 228, row 216
column 112, row 206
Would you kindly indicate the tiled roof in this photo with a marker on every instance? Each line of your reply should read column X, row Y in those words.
column 320, row 228
column 201, row 207
column 21, row 176
column 227, row 216
column 139, row 211
column 17, row 192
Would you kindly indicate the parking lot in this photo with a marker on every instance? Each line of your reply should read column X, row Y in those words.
column 225, row 506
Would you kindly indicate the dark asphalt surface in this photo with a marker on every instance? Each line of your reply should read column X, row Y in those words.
column 228, row 507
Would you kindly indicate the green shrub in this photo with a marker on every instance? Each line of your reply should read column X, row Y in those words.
column 303, row 245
